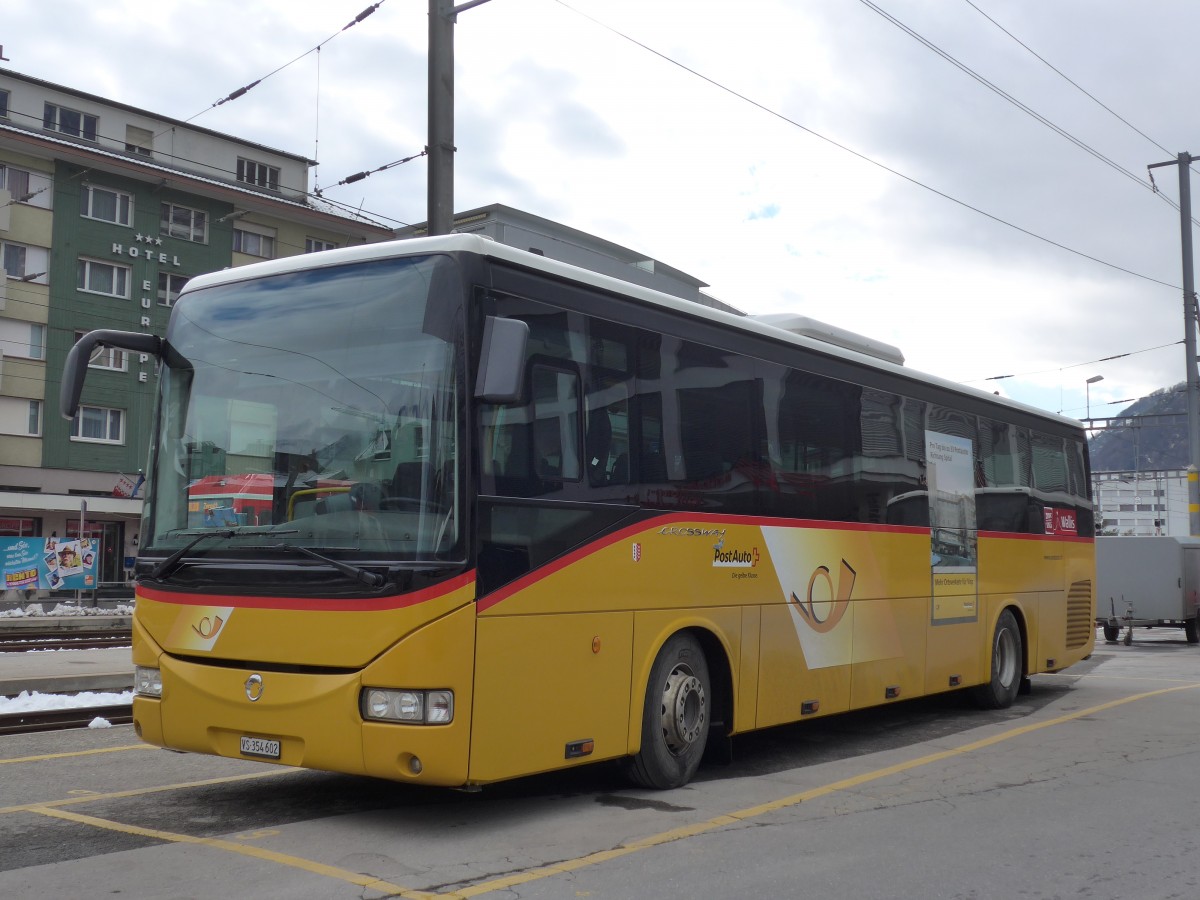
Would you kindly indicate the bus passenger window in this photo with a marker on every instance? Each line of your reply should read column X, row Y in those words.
column 556, row 424
column 606, row 445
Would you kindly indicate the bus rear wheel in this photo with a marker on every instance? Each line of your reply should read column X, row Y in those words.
column 1007, row 670
column 675, row 716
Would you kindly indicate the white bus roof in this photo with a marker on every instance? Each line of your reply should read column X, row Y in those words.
column 794, row 329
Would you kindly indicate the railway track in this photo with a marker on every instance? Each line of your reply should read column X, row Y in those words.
column 60, row 719
column 26, row 640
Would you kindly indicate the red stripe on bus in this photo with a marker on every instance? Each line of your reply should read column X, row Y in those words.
column 323, row 604
column 659, row 522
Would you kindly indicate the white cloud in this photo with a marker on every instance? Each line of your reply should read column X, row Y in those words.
column 566, row 119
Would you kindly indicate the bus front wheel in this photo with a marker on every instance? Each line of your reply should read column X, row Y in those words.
column 1000, row 690
column 675, row 716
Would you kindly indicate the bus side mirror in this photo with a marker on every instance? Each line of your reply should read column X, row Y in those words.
column 75, row 368
column 502, row 360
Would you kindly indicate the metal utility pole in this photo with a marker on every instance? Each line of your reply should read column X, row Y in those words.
column 442, row 16
column 1184, row 161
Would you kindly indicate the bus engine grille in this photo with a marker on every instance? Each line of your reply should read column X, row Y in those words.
column 1080, row 619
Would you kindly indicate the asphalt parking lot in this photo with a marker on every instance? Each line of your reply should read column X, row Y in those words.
column 1085, row 787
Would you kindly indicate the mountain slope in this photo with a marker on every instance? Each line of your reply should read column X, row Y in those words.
column 1144, row 447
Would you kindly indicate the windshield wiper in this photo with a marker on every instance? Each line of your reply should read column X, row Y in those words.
column 172, row 562
column 370, row 579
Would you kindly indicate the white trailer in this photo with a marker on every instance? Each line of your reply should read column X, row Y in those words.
column 1147, row 581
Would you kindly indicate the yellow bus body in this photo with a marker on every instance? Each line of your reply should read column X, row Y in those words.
column 797, row 618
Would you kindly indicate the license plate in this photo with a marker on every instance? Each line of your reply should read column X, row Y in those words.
column 252, row 746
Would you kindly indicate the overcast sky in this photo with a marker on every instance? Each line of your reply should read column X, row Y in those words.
column 623, row 118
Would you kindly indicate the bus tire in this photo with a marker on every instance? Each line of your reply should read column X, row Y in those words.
column 1006, row 667
column 675, row 716
column 1191, row 631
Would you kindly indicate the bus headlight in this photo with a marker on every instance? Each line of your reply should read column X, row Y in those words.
column 416, row 707
column 147, row 682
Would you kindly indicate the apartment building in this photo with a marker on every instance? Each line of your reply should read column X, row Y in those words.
column 1153, row 502
column 526, row 231
column 106, row 210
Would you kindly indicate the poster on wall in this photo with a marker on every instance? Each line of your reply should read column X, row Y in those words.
column 955, row 545
column 52, row 564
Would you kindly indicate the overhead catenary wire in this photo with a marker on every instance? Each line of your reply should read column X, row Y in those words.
column 1088, row 94
column 88, row 172
column 1068, row 79
column 359, row 176
column 1091, row 362
column 1000, row 92
column 317, row 127
column 242, row 91
column 862, row 156
column 245, row 89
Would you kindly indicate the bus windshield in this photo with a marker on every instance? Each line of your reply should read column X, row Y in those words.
column 314, row 409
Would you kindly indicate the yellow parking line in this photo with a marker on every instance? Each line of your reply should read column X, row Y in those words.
column 283, row 859
column 139, row 792
column 698, row 828
column 22, row 759
column 54, row 808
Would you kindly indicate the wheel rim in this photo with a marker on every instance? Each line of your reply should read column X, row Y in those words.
column 684, row 710
column 1006, row 657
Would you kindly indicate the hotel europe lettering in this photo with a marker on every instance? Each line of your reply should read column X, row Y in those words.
column 151, row 254
column 113, row 209
column 113, row 264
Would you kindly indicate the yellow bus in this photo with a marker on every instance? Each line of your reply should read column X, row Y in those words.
column 549, row 518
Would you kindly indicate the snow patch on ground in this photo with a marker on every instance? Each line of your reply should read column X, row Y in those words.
column 27, row 701
column 35, row 610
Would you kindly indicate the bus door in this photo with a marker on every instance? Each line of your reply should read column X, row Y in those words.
column 952, row 653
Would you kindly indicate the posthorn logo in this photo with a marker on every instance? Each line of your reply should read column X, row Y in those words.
column 254, row 687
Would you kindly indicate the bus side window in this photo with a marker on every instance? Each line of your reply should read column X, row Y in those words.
column 556, row 424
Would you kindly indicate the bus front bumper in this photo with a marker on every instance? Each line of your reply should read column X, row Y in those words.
column 314, row 719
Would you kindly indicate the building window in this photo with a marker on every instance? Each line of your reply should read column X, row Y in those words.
column 183, row 222
column 70, row 121
column 99, row 424
column 253, row 244
column 257, row 173
column 26, row 186
column 316, row 245
column 37, row 341
column 106, row 205
column 139, row 140
column 11, row 527
column 97, row 277
column 24, row 339
column 15, row 181
column 169, row 286
column 20, row 417
column 106, row 357
column 3, row 104
column 24, row 262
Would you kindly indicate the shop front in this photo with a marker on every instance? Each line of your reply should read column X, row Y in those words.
column 66, row 548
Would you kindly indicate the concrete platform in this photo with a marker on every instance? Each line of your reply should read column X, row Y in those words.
column 65, row 671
